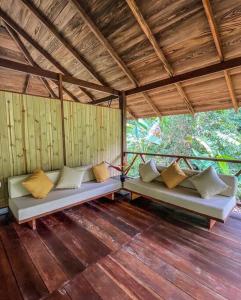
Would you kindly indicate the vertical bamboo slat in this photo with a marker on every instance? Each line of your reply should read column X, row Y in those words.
column 31, row 135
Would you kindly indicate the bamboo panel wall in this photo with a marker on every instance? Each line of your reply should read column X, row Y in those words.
column 31, row 135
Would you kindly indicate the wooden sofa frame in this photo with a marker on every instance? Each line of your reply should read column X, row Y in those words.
column 32, row 221
column 211, row 220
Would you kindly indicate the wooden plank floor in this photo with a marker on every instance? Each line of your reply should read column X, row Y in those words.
column 120, row 250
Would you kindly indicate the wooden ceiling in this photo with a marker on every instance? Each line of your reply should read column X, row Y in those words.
column 125, row 44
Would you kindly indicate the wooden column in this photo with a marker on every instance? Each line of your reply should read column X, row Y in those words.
column 62, row 116
column 122, row 106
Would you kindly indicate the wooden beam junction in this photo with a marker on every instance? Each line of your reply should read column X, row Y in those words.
column 36, row 71
column 39, row 48
column 160, row 54
column 215, row 68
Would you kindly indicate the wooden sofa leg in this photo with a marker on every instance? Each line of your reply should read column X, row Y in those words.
column 134, row 196
column 32, row 224
column 211, row 223
column 110, row 196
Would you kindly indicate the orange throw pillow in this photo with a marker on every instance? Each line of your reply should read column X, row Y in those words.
column 101, row 172
column 173, row 175
column 38, row 184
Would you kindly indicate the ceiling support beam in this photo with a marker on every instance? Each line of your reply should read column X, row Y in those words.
column 42, row 18
column 41, row 50
column 106, row 44
column 35, row 71
column 213, row 28
column 28, row 57
column 151, row 38
column 26, row 84
column 231, row 90
column 218, row 44
column 215, row 68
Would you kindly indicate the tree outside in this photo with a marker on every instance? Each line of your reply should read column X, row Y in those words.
column 208, row 134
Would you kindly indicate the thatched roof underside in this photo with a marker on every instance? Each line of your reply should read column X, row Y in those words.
column 180, row 28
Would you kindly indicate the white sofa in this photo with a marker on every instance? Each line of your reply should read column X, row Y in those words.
column 25, row 208
column 185, row 195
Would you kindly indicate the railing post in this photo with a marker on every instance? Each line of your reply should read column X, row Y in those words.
column 122, row 106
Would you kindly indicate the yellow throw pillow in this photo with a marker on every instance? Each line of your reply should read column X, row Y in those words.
column 101, row 172
column 173, row 175
column 38, row 184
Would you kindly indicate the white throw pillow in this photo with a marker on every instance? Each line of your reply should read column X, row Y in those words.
column 148, row 171
column 70, row 178
column 208, row 183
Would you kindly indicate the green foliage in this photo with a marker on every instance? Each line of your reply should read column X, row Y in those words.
column 208, row 134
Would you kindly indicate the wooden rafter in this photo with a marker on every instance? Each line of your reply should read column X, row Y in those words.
column 151, row 38
column 27, row 69
column 30, row 60
column 231, row 90
column 218, row 44
column 42, row 18
column 40, row 49
column 104, row 41
column 213, row 28
column 212, row 69
column 27, row 56
column 26, row 84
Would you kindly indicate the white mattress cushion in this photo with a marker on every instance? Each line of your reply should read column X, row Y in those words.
column 26, row 207
column 15, row 188
column 217, row 207
column 231, row 181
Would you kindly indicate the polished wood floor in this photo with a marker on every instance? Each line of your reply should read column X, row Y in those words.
column 117, row 250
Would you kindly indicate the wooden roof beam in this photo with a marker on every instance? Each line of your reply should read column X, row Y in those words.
column 42, row 18
column 26, row 84
column 92, row 26
column 218, row 44
column 31, row 61
column 103, row 40
column 215, row 68
column 231, row 90
column 41, row 50
column 151, row 38
column 27, row 69
column 213, row 28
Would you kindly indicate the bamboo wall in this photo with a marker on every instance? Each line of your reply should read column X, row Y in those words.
column 31, row 135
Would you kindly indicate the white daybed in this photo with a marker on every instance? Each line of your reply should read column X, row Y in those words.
column 185, row 196
column 27, row 209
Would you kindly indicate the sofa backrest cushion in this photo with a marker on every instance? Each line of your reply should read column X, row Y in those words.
column 16, row 189
column 231, row 181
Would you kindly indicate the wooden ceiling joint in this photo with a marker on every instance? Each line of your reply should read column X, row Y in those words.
column 26, row 84
column 42, row 18
column 41, row 50
column 218, row 44
column 160, row 54
column 106, row 44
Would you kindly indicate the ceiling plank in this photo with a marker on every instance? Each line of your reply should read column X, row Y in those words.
column 231, row 90
column 31, row 61
column 41, row 50
column 42, row 18
column 150, row 36
column 146, row 29
column 28, row 69
column 218, row 44
column 104, row 41
column 213, row 28
column 215, row 68
column 92, row 26
column 27, row 55
column 95, row 30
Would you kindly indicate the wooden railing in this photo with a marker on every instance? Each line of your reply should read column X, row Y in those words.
column 186, row 159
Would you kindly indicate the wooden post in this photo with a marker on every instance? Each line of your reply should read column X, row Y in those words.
column 62, row 116
column 122, row 106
